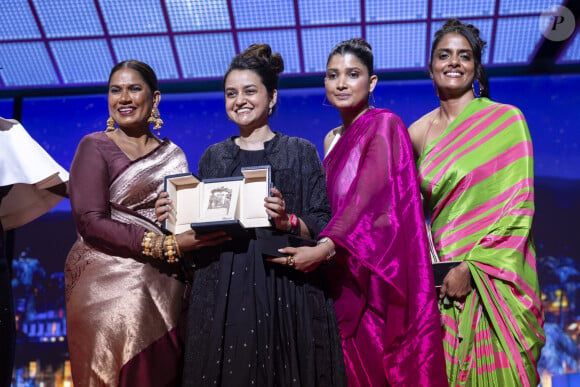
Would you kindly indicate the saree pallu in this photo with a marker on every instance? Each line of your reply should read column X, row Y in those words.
column 381, row 277
column 123, row 313
column 477, row 178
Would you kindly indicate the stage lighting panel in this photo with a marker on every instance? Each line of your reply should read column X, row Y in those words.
column 485, row 27
column 283, row 41
column 572, row 52
column 26, row 64
column 395, row 10
column 516, row 39
column 398, row 46
column 317, row 12
column 519, row 7
column 156, row 51
column 263, row 13
column 198, row 15
column 317, row 43
column 65, row 19
column 137, row 17
column 83, row 61
column 204, row 55
column 303, row 31
column 447, row 9
column 17, row 21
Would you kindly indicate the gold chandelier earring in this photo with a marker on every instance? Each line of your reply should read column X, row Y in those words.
column 110, row 124
column 155, row 118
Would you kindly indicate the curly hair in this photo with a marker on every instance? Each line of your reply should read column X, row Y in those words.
column 471, row 34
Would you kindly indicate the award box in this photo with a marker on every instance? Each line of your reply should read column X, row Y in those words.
column 440, row 270
column 270, row 240
column 231, row 204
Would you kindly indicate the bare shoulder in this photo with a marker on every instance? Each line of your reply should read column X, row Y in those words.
column 330, row 137
column 421, row 124
column 418, row 128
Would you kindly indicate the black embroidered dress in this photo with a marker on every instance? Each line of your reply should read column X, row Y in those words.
column 252, row 322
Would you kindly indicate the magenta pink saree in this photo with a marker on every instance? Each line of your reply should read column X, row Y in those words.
column 382, row 278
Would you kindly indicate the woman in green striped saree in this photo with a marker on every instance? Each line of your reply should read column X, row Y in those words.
column 475, row 165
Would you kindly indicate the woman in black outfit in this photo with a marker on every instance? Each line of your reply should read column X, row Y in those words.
column 252, row 322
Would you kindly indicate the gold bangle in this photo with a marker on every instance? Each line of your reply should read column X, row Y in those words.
column 158, row 247
column 177, row 249
column 146, row 243
column 169, row 249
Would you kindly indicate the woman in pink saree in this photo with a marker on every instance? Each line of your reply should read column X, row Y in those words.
column 123, row 280
column 380, row 271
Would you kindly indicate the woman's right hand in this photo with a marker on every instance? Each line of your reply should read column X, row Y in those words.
column 162, row 206
column 189, row 240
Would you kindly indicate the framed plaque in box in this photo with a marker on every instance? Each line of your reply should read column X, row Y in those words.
column 231, row 204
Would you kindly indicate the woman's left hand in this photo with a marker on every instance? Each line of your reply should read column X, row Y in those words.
column 457, row 283
column 304, row 258
column 276, row 208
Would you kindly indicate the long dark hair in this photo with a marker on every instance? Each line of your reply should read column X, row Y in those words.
column 471, row 33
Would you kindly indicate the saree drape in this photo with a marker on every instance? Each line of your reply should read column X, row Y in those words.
column 477, row 178
column 123, row 312
column 382, row 279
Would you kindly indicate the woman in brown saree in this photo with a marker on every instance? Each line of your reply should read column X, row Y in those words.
column 123, row 283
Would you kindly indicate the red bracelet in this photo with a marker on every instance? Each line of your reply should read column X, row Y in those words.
column 294, row 224
column 293, row 220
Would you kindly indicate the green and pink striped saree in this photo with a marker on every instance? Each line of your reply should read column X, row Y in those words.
column 477, row 178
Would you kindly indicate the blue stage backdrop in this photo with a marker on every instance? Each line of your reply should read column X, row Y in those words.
column 197, row 120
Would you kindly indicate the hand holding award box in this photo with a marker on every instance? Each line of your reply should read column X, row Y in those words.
column 232, row 204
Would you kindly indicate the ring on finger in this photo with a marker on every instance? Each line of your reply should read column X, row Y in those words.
column 290, row 260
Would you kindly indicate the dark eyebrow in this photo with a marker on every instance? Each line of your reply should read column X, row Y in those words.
column 244, row 87
column 347, row 69
column 449, row 50
column 130, row 85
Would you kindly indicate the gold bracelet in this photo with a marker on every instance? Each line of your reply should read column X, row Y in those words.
column 169, row 249
column 158, row 247
column 177, row 249
column 146, row 243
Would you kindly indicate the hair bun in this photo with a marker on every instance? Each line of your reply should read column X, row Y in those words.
column 263, row 52
column 361, row 42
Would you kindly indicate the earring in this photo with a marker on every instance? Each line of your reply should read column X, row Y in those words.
column 371, row 100
column 155, row 118
column 476, row 86
column 270, row 111
column 435, row 88
column 110, row 124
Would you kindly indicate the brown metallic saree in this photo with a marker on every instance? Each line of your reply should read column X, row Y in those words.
column 122, row 311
